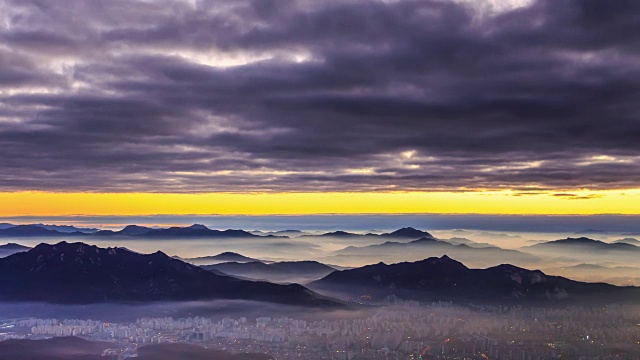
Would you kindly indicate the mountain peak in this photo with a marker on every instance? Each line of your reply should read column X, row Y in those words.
column 445, row 279
column 228, row 253
column 134, row 230
column 409, row 232
column 198, row 227
column 444, row 262
column 81, row 273
column 569, row 241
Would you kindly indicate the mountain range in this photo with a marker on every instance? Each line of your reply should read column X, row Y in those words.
column 403, row 233
column 80, row 273
column 631, row 241
column 220, row 258
column 287, row 271
column 12, row 248
column 443, row 278
column 193, row 231
column 587, row 249
column 617, row 275
column 35, row 231
column 428, row 247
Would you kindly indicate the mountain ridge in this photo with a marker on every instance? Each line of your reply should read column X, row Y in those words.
column 68, row 273
column 442, row 278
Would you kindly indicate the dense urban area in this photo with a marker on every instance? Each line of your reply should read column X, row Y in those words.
column 403, row 330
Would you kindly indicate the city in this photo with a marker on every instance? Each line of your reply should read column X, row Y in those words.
column 403, row 330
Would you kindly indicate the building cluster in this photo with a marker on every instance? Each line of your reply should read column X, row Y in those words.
column 401, row 331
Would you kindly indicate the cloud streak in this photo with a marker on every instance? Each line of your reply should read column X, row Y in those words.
column 202, row 96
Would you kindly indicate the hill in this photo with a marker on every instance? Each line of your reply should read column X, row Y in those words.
column 220, row 258
column 631, row 241
column 12, row 248
column 403, row 233
column 34, row 231
column 588, row 250
column 290, row 271
column 443, row 278
column 429, row 247
column 80, row 273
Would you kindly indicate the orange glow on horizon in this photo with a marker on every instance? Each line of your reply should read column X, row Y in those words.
column 478, row 202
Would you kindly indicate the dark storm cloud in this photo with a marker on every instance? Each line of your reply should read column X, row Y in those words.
column 306, row 96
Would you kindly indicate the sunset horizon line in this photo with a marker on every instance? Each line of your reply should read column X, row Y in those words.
column 505, row 202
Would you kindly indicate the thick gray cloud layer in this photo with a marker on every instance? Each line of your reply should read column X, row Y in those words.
column 299, row 95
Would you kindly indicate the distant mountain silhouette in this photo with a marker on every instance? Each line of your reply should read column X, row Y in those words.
column 129, row 230
column 220, row 258
column 443, row 278
column 6, row 225
column 12, row 248
column 617, row 275
column 195, row 231
column 408, row 233
column 585, row 242
column 67, row 228
column 588, row 249
column 287, row 233
column 471, row 243
column 134, row 230
column 80, row 273
column 428, row 247
column 631, row 241
column 34, row 231
column 341, row 234
column 57, row 348
column 403, row 233
column 289, row 271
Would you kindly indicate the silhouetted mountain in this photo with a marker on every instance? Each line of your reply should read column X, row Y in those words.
column 33, row 231
column 67, row 228
column 428, row 247
column 12, row 248
column 586, row 245
column 408, row 233
column 178, row 351
column 617, row 275
column 631, row 241
column 443, row 278
column 342, row 234
column 196, row 231
column 193, row 231
column 28, row 229
column 220, row 258
column 471, row 243
column 134, row 230
column 403, row 233
column 289, row 271
column 280, row 233
column 57, row 348
column 80, row 273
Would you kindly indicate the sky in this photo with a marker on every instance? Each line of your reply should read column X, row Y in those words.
column 303, row 107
